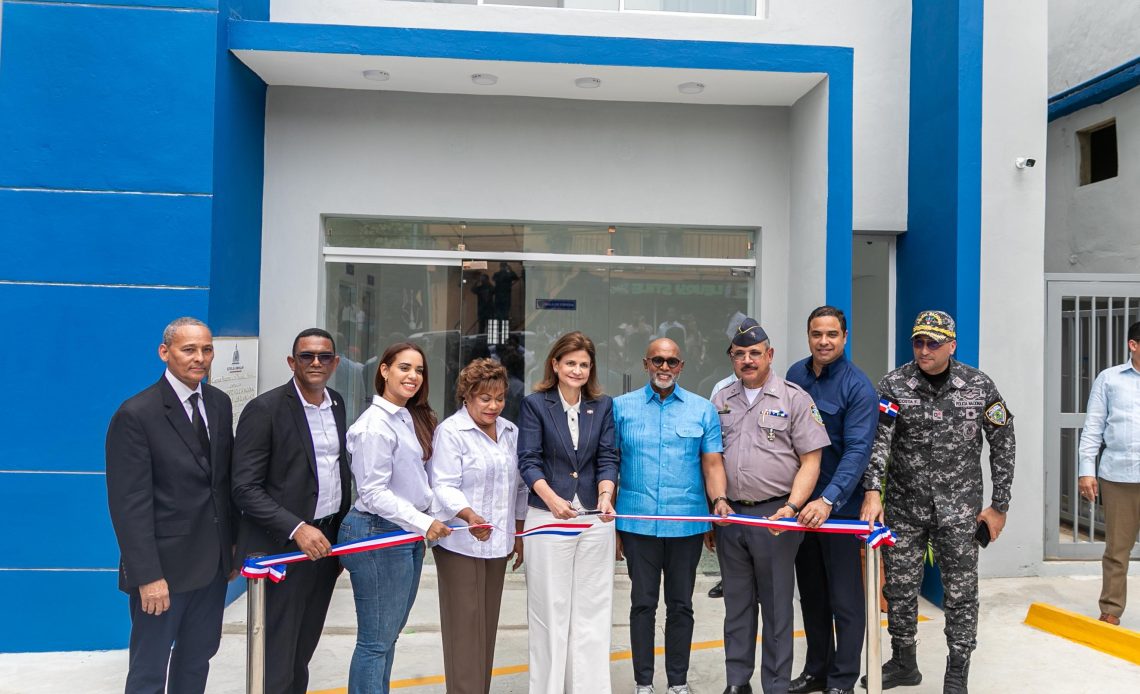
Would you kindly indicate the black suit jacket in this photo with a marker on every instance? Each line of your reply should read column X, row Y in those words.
column 169, row 506
column 546, row 450
column 275, row 470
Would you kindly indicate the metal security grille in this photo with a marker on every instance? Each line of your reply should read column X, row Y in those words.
column 1086, row 333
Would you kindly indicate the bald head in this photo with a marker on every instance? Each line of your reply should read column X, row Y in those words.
column 663, row 363
column 662, row 343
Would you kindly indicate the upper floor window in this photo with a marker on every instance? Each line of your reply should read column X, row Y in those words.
column 741, row 8
column 1098, row 152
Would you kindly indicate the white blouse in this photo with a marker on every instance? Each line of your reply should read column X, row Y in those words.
column 387, row 464
column 469, row 470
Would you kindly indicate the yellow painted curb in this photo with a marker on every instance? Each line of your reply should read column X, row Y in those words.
column 1117, row 641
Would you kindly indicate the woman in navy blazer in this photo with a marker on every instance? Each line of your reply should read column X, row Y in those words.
column 567, row 458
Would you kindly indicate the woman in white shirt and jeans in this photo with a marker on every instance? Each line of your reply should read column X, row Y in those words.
column 389, row 443
column 474, row 472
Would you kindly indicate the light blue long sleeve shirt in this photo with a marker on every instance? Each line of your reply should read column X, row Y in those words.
column 1114, row 419
column 661, row 443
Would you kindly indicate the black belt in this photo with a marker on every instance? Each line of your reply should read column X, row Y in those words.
column 326, row 522
column 744, row 502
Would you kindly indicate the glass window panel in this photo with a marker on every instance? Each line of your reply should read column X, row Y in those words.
column 733, row 7
column 565, row 4
column 573, row 239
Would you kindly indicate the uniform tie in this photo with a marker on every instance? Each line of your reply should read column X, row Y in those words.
column 199, row 424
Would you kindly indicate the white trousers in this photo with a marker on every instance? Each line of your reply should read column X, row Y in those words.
column 569, row 588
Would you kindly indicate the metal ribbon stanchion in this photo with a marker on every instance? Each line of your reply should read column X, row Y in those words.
column 874, row 640
column 255, row 634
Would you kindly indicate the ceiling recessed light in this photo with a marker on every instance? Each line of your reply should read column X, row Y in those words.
column 588, row 82
column 484, row 78
column 690, row 87
column 376, row 75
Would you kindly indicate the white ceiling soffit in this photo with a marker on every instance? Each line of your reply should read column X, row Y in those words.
column 551, row 80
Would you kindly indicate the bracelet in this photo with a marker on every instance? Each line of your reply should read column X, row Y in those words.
column 605, row 491
column 720, row 498
column 792, row 506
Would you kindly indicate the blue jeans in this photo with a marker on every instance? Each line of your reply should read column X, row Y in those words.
column 384, row 585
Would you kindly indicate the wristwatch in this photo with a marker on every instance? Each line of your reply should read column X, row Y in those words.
column 1000, row 506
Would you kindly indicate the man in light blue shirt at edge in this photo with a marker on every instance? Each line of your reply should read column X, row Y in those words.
column 1114, row 419
column 670, row 444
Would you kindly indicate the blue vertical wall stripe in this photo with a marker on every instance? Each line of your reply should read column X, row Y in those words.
column 141, row 104
column 938, row 261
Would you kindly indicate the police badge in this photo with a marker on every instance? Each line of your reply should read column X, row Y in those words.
column 997, row 414
column 816, row 415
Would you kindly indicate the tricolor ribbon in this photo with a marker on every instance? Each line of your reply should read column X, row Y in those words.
column 273, row 567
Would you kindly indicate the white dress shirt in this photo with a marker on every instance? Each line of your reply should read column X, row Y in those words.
column 1114, row 418
column 326, row 448
column 469, row 470
column 184, row 393
column 388, row 466
column 571, row 416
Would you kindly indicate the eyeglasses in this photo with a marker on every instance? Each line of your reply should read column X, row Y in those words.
column 307, row 358
column 672, row 362
column 930, row 345
column 752, row 355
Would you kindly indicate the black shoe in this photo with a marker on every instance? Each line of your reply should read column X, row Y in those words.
column 901, row 670
column 807, row 683
column 837, row 690
column 738, row 689
column 716, row 591
column 957, row 672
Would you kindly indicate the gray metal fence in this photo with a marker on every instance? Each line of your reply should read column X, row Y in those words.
column 1085, row 334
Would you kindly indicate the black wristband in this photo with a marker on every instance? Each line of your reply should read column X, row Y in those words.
column 720, row 498
column 792, row 506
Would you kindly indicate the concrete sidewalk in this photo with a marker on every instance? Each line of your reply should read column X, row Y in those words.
column 1011, row 657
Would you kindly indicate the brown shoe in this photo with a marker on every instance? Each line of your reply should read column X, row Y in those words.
column 1111, row 619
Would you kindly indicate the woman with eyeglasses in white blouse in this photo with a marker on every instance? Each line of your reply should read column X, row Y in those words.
column 474, row 472
column 390, row 444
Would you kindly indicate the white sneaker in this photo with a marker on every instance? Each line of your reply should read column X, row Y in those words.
column 679, row 689
column 643, row 689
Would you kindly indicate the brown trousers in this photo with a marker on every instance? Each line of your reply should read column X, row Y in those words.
column 470, row 592
column 1121, row 525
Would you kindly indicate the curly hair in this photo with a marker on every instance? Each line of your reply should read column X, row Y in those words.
column 480, row 376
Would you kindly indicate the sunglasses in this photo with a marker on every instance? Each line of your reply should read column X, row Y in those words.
column 931, row 345
column 307, row 358
column 672, row 362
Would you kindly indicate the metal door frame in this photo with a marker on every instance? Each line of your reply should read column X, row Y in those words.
column 1058, row 287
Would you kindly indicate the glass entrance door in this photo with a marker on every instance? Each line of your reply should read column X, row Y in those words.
column 513, row 310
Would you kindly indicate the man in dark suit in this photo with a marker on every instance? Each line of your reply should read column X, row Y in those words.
column 168, row 483
column 292, row 482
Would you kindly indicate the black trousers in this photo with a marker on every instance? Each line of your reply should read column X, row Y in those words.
column 830, row 578
column 171, row 652
column 295, row 612
column 647, row 558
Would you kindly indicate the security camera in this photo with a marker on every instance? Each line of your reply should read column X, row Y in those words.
column 1025, row 162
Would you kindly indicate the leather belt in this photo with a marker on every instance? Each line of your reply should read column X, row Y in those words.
column 745, row 502
column 325, row 522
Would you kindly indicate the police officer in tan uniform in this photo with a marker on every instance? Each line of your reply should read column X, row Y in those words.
column 773, row 438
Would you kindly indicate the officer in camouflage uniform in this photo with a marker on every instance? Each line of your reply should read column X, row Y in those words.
column 933, row 413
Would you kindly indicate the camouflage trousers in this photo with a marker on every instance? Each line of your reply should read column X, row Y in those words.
column 957, row 556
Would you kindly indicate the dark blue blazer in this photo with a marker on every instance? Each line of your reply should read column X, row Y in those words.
column 547, row 453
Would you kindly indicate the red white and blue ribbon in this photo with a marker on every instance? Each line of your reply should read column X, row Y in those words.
column 273, row 567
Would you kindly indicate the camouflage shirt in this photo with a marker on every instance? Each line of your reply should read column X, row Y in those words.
column 934, row 443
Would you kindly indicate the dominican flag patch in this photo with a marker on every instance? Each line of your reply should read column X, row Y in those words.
column 888, row 411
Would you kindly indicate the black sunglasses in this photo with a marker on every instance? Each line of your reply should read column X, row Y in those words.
column 673, row 362
column 307, row 358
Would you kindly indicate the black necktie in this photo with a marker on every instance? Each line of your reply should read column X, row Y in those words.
column 199, row 424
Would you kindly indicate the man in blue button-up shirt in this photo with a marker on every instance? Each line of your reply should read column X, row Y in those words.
column 670, row 447
column 1114, row 419
column 827, row 566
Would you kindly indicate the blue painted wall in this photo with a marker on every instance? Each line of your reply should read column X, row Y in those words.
column 938, row 259
column 130, row 194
